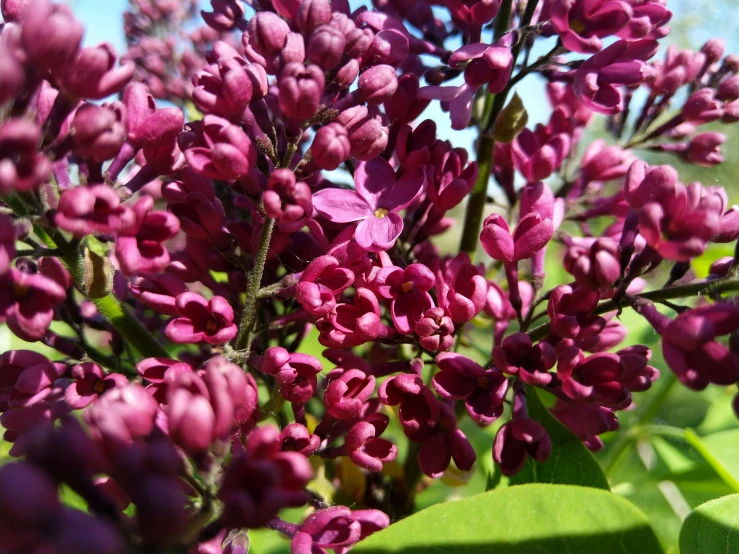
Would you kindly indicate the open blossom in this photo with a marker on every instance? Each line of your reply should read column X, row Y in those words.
column 374, row 204
column 581, row 24
column 202, row 320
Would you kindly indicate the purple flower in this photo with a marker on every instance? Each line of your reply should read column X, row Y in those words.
column 375, row 203
column 28, row 296
column 22, row 166
column 296, row 438
column 537, row 154
column 435, row 330
column 347, row 392
column 587, row 421
column 160, row 373
column 26, row 378
column 50, row 35
column 287, row 201
column 531, row 234
column 202, row 320
column 146, row 125
column 321, row 282
column 226, row 15
column 90, row 383
column 518, row 356
column 581, row 24
column 349, row 325
column 408, row 291
column 569, row 311
column 456, row 100
column 484, row 63
column 445, row 443
column 330, row 147
column 295, row 372
column 300, row 90
column 336, row 528
column 597, row 80
column 482, row 390
column 140, row 246
column 259, row 483
column 85, row 210
column 520, row 437
column 595, row 266
column 367, row 134
column 365, row 449
column 93, row 74
column 419, row 410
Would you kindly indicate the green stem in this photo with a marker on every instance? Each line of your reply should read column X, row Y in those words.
column 706, row 288
column 249, row 314
column 115, row 312
column 494, row 103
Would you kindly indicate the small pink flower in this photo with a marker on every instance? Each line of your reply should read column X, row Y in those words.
column 90, row 383
column 374, row 204
column 202, row 320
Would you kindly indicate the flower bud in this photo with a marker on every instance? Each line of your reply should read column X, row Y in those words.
column 98, row 132
column 312, row 14
column 226, row 15
column 330, row 146
column 704, row 149
column 267, row 33
column 12, row 76
column 300, row 90
column 377, row 84
column 326, row 47
column 346, row 74
column 713, row 49
column 358, row 42
column 389, row 47
column 367, row 135
column 94, row 75
column 50, row 34
column 728, row 90
column 13, row 10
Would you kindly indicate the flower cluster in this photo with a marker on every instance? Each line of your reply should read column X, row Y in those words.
column 177, row 258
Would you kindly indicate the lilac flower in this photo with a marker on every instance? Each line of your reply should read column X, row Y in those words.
column 482, row 390
column 93, row 74
column 321, row 282
column 520, row 437
column 517, row 355
column 587, row 421
column 365, row 449
column 139, row 247
column 336, row 528
column 419, row 409
column 22, row 166
column 202, row 320
column 597, row 80
column 330, row 147
column 26, row 378
column 445, row 443
column 90, row 383
column 375, row 203
column 28, row 296
column 85, row 210
column 296, row 438
column 347, row 392
column 408, row 290
column 581, row 24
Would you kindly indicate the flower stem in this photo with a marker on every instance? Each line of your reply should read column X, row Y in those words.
column 493, row 105
column 249, row 315
column 706, row 288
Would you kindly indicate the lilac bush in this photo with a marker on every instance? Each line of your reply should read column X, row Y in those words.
column 176, row 224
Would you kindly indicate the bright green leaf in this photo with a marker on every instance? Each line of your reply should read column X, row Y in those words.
column 712, row 528
column 570, row 462
column 719, row 450
column 522, row 520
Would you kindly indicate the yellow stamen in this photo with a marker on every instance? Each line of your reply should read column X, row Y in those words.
column 381, row 212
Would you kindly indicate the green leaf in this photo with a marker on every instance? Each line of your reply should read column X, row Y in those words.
column 712, row 528
column 570, row 462
column 521, row 520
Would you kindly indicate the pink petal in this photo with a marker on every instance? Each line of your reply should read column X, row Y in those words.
column 377, row 234
column 341, row 205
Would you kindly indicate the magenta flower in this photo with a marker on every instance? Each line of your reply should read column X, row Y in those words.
column 85, row 210
column 582, row 24
column 408, row 291
column 519, row 438
column 350, row 325
column 435, row 330
column 28, row 296
column 587, row 421
column 159, row 292
column 374, row 204
column 334, row 528
column 365, row 449
column 462, row 290
column 321, row 282
column 569, row 311
column 140, row 247
column 482, row 390
column 94, row 75
column 597, row 80
column 445, row 443
column 259, row 483
column 26, row 378
column 296, row 438
column 484, row 63
column 419, row 410
column 531, row 234
column 202, row 320
column 22, row 166
column 160, row 373
column 517, row 355
column 347, row 392
column 90, row 383
column 537, row 154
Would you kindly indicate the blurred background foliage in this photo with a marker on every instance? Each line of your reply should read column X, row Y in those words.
column 676, row 448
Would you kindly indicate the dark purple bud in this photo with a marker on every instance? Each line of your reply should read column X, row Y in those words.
column 300, row 90
column 346, row 394
column 97, row 132
column 704, row 149
column 330, row 147
column 226, row 15
column 312, row 14
column 377, row 84
column 267, row 33
column 713, row 49
column 326, row 47
column 94, row 75
column 50, row 34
